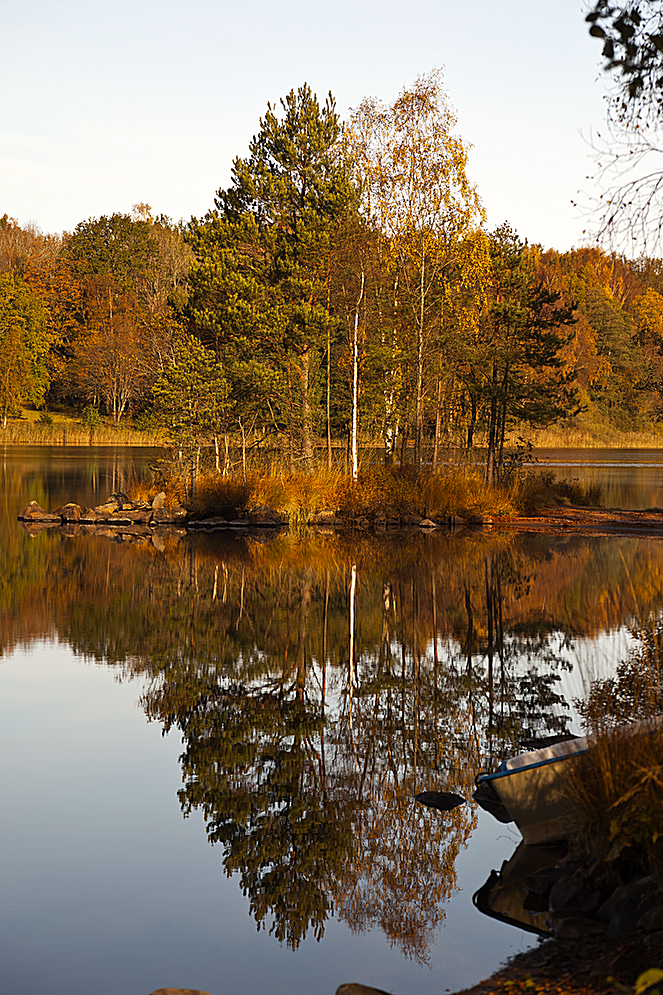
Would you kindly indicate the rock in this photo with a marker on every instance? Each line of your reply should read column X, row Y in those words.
column 158, row 543
column 571, row 928
column 444, row 801
column 33, row 512
column 159, row 500
column 480, row 520
column 563, row 891
column 119, row 498
column 355, row 989
column 456, row 523
column 137, row 516
column 324, row 517
column 412, row 519
column 179, row 991
column 69, row 512
column 426, row 523
column 106, row 511
column 262, row 514
column 88, row 516
column 169, row 516
column 217, row 522
column 652, row 919
column 627, row 905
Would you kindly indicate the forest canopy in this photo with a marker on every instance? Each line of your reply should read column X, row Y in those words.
column 342, row 288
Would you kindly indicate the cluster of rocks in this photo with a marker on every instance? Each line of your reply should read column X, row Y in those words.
column 120, row 513
column 585, row 899
column 382, row 520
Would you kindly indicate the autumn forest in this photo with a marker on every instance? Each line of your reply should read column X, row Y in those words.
column 344, row 287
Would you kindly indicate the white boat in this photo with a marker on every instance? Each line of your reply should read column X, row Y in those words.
column 531, row 789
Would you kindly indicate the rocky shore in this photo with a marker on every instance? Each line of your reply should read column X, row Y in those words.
column 124, row 516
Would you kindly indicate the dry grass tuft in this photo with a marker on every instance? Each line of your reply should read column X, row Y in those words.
column 533, row 490
column 618, row 785
column 380, row 490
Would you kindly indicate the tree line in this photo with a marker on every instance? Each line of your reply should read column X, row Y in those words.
column 343, row 286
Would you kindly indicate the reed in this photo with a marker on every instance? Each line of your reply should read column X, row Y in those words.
column 617, row 786
column 599, row 436
column 68, row 432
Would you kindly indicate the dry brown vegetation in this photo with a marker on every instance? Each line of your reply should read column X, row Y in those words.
column 387, row 492
column 618, row 784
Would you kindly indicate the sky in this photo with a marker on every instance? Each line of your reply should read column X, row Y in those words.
column 107, row 103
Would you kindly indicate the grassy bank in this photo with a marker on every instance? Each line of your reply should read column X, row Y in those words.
column 588, row 437
column 63, row 429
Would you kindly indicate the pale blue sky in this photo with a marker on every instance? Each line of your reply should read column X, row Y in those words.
column 110, row 102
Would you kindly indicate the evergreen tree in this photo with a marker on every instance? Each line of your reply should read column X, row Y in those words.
column 277, row 223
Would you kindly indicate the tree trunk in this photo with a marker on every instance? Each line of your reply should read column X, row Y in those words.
column 438, row 419
column 419, row 413
column 291, row 442
column 355, row 382
column 490, row 461
column 472, row 422
column 307, row 428
column 329, row 444
column 241, row 428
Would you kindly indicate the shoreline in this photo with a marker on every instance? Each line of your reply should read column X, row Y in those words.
column 144, row 517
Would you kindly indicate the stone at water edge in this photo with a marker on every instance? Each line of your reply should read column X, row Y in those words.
column 159, row 500
column 427, row 523
column 443, row 801
column 179, row 991
column 69, row 512
column 262, row 514
column 33, row 512
column 480, row 520
column 168, row 516
column 355, row 989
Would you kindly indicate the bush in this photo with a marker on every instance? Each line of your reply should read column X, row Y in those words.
column 91, row 416
column 45, row 418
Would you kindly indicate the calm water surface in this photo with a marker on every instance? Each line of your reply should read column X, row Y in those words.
column 629, row 478
column 210, row 689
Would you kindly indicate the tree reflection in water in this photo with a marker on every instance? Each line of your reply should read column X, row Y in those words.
column 306, row 742
column 320, row 683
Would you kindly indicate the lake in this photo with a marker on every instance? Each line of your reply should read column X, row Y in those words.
column 210, row 744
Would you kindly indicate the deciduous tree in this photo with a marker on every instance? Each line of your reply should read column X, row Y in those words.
column 24, row 346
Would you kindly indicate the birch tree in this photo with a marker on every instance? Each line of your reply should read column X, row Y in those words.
column 416, row 191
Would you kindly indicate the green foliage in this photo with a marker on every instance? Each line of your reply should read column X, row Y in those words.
column 191, row 396
column 260, row 285
column 91, row 416
column 115, row 247
column 24, row 374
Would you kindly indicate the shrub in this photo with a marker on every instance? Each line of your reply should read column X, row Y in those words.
column 91, row 416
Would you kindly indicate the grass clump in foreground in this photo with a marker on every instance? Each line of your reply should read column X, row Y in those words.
column 617, row 786
column 379, row 493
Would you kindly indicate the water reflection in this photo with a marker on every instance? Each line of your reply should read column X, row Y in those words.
column 320, row 683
